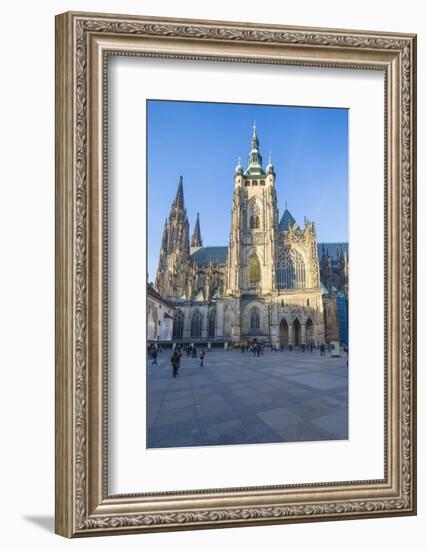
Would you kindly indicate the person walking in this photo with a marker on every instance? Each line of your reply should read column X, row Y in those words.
column 202, row 357
column 154, row 357
column 175, row 360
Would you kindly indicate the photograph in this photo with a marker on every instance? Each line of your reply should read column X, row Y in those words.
column 247, row 274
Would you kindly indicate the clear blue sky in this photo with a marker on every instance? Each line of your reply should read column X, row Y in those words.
column 202, row 142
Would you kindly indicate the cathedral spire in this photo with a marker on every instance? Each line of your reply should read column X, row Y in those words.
column 255, row 158
column 174, row 257
column 196, row 239
column 255, row 142
column 179, row 199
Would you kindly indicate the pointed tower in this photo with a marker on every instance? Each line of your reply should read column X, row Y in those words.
column 196, row 239
column 255, row 158
column 171, row 277
column 254, row 222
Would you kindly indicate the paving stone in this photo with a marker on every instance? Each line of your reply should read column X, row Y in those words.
column 279, row 418
column 313, row 408
column 211, row 408
column 318, row 380
column 335, row 423
column 227, row 433
column 305, row 432
column 165, row 417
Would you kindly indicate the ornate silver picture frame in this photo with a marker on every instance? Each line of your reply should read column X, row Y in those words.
column 84, row 43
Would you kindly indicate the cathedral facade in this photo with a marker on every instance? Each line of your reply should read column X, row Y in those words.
column 266, row 284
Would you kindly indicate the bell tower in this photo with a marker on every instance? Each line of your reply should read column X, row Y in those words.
column 254, row 224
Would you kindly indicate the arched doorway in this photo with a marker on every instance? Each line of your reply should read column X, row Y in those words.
column 296, row 332
column 309, row 332
column 283, row 333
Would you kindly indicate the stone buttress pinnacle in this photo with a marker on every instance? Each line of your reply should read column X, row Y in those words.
column 196, row 239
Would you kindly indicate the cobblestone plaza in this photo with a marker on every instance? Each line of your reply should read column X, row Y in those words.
column 237, row 398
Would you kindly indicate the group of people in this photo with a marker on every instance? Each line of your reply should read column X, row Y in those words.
column 257, row 348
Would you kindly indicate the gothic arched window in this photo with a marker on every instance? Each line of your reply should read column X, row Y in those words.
column 196, row 324
column 254, row 210
column 211, row 324
column 255, row 319
column 290, row 272
column 178, row 325
column 254, row 270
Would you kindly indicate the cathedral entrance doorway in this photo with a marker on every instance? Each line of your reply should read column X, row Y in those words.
column 296, row 332
column 283, row 333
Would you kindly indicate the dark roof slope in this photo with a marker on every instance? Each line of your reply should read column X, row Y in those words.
column 286, row 221
column 332, row 249
column 156, row 296
column 216, row 254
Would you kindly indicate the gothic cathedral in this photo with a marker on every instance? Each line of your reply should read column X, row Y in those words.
column 266, row 284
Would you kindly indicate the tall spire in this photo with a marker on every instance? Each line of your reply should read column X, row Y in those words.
column 196, row 239
column 179, row 199
column 255, row 142
column 255, row 158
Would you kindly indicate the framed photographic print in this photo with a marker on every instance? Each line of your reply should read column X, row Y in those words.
column 235, row 274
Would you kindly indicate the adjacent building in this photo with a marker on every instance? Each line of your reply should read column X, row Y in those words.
column 160, row 315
